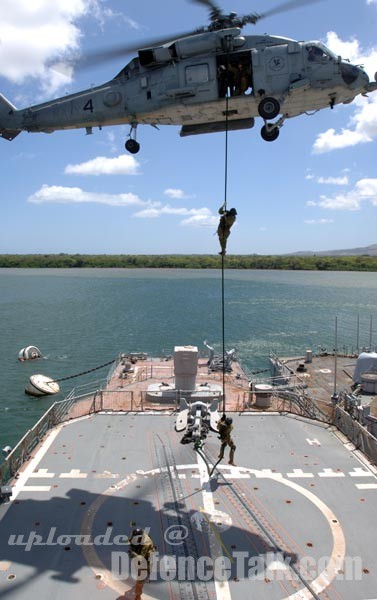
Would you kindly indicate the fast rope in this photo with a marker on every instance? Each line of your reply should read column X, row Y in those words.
column 223, row 253
column 84, row 372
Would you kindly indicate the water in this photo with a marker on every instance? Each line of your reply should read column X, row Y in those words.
column 82, row 318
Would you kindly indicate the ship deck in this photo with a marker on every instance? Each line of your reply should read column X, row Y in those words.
column 318, row 380
column 299, row 494
column 295, row 519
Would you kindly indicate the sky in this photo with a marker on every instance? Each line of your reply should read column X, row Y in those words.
column 313, row 189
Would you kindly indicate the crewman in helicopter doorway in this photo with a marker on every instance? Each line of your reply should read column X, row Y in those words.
column 225, row 427
column 227, row 219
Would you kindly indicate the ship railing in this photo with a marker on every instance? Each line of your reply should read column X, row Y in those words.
column 355, row 431
column 70, row 407
column 30, row 440
column 285, row 399
column 86, row 388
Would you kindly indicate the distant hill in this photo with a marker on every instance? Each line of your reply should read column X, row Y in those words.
column 367, row 250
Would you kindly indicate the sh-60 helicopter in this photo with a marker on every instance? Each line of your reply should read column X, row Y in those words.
column 206, row 81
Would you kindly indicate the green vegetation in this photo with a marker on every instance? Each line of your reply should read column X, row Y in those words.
column 192, row 261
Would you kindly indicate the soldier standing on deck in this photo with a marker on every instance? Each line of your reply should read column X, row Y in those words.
column 141, row 549
column 225, row 427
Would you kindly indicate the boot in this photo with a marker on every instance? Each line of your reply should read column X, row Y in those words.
column 231, row 457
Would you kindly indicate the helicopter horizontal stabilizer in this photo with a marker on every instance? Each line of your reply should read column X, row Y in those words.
column 216, row 127
column 6, row 110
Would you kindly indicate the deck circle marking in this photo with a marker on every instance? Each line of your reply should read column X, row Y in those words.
column 320, row 583
column 323, row 580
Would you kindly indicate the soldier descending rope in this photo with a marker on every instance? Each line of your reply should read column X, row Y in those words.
column 223, row 231
column 225, row 427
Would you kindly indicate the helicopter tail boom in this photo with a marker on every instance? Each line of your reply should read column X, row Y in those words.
column 6, row 111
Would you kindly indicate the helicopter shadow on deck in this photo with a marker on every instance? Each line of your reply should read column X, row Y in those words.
column 56, row 558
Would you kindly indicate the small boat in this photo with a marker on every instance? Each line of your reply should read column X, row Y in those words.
column 41, row 385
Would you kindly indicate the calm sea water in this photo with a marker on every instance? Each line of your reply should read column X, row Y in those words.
column 82, row 318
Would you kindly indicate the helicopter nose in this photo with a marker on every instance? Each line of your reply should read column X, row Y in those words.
column 353, row 76
column 350, row 73
column 363, row 77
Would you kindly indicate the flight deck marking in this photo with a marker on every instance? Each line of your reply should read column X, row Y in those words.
column 360, row 472
column 296, row 473
column 24, row 475
column 322, row 581
column 106, row 475
column 366, row 486
column 313, row 442
column 266, row 473
column 42, row 473
column 331, row 473
column 36, row 488
column 216, row 545
column 74, row 474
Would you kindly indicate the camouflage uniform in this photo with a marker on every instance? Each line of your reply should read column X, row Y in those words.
column 225, row 428
column 223, row 231
column 141, row 547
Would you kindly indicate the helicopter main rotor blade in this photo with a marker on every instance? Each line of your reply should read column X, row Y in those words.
column 284, row 7
column 106, row 54
column 210, row 5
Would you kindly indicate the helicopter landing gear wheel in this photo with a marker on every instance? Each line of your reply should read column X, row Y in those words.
column 268, row 108
column 132, row 146
column 269, row 133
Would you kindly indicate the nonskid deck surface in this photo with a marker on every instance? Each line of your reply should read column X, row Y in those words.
column 298, row 495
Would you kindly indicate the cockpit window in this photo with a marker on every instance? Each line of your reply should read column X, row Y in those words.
column 317, row 54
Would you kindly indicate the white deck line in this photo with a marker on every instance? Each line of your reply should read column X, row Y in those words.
column 222, row 587
column 31, row 467
column 366, row 486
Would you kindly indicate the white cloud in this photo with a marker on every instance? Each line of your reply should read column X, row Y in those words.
column 195, row 216
column 364, row 190
column 35, row 34
column 177, row 194
column 330, row 140
column 201, row 220
column 55, row 194
column 318, row 221
column 362, row 127
column 333, row 180
column 101, row 165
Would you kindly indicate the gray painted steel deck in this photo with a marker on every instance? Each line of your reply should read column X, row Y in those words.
column 298, row 491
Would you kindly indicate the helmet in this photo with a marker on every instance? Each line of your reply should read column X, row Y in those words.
column 229, row 420
column 233, row 211
column 137, row 537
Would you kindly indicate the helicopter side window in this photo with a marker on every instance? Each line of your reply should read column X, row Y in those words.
column 197, row 74
column 316, row 54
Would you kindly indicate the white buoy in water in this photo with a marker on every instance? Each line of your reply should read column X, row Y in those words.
column 41, row 385
column 29, row 353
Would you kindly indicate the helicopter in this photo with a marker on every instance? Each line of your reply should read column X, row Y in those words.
column 209, row 80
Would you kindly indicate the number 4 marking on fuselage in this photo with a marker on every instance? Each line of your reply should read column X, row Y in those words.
column 89, row 105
